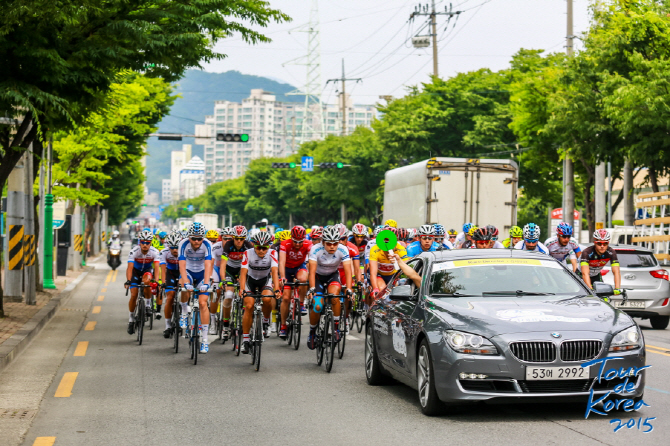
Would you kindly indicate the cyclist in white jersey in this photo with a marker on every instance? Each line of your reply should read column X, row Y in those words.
column 217, row 251
column 562, row 246
column 258, row 274
column 141, row 259
column 324, row 261
column 195, row 270
column 531, row 240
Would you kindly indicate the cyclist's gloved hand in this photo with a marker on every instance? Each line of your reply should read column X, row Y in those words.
column 188, row 287
column 375, row 292
column 349, row 293
column 127, row 284
column 617, row 291
column 203, row 287
column 311, row 291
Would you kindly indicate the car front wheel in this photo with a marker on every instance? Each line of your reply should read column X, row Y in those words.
column 373, row 371
column 430, row 403
column 659, row 322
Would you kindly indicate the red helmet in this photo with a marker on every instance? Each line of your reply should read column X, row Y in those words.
column 359, row 229
column 402, row 234
column 317, row 233
column 298, row 233
column 239, row 231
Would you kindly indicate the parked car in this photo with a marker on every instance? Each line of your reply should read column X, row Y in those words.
column 494, row 324
column 646, row 282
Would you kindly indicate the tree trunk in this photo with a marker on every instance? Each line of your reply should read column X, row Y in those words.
column 91, row 219
column 653, row 179
column 2, row 248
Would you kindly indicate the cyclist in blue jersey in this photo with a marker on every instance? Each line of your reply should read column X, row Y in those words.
column 195, row 270
column 531, row 240
column 440, row 233
column 425, row 244
column 141, row 260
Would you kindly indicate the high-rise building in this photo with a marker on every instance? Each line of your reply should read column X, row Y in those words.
column 192, row 179
column 178, row 159
column 166, row 191
column 274, row 130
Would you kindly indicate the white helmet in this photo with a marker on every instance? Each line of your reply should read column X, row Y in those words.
column 145, row 236
column 262, row 238
column 531, row 232
column 426, row 230
column 115, row 234
column 331, row 234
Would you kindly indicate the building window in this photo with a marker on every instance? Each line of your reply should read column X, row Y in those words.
column 220, row 118
column 247, row 110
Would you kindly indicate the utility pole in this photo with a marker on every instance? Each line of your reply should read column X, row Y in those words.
column 432, row 15
column 568, row 171
column 343, row 95
column 48, row 247
column 15, row 227
column 29, row 230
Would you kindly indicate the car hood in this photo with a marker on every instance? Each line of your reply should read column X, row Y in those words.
column 491, row 316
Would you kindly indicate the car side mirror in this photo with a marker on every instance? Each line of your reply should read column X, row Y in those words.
column 603, row 289
column 401, row 292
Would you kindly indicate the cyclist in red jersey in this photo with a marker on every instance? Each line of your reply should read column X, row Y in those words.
column 293, row 267
column 359, row 238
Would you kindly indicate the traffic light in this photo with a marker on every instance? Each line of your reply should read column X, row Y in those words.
column 232, row 137
column 331, row 165
column 283, row 165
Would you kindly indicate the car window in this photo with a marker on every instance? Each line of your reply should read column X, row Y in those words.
column 402, row 278
column 635, row 259
column 480, row 277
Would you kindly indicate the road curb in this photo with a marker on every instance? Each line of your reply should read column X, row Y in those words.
column 20, row 340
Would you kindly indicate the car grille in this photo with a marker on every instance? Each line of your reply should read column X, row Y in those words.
column 485, row 385
column 534, row 351
column 580, row 350
column 556, row 386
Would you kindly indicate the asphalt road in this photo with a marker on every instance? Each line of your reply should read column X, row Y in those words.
column 122, row 393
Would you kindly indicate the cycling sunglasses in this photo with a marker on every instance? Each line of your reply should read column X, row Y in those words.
column 426, row 237
column 262, row 248
column 482, row 242
column 240, row 238
column 145, row 243
column 195, row 239
column 174, row 247
column 602, row 243
column 532, row 242
column 331, row 243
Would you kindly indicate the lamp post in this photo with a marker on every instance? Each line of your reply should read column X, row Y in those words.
column 48, row 248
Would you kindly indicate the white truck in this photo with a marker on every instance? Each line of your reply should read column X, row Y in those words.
column 453, row 191
column 211, row 221
column 183, row 223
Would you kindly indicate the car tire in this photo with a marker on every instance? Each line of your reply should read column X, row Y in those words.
column 425, row 375
column 373, row 372
column 659, row 322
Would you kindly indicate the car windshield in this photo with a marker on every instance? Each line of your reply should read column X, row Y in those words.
column 501, row 277
column 635, row 259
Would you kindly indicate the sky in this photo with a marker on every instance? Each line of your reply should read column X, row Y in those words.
column 374, row 39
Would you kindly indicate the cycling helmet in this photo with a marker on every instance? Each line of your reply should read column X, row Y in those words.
column 145, row 236
column 316, row 232
column 602, row 235
column 564, row 229
column 331, row 234
column 427, row 230
column 115, row 234
column 402, row 234
column 493, row 231
column 439, row 230
column 212, row 234
column 466, row 227
column 197, row 229
column 411, row 233
column 343, row 230
column 184, row 233
column 283, row 235
column 377, row 230
column 262, row 238
column 392, row 223
column 531, row 232
column 482, row 235
column 359, row 229
column 162, row 234
column 239, row 231
column 515, row 232
column 172, row 240
column 298, row 233
column 452, row 232
column 472, row 230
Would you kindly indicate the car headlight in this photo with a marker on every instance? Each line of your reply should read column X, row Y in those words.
column 468, row 343
column 627, row 339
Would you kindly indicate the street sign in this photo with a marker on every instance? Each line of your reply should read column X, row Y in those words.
column 307, row 164
column 190, row 208
column 59, row 214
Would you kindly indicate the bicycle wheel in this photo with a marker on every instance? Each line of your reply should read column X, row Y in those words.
column 196, row 335
column 359, row 319
column 289, row 326
column 176, row 313
column 297, row 327
column 140, row 328
column 252, row 340
column 343, row 337
column 219, row 323
column 329, row 342
column 320, row 329
column 258, row 342
column 151, row 314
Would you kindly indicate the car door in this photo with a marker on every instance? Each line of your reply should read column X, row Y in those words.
column 381, row 330
column 403, row 327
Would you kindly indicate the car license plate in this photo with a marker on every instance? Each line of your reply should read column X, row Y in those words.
column 553, row 373
column 629, row 304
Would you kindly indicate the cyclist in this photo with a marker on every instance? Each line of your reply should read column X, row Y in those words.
column 595, row 257
column 293, row 255
column 227, row 235
column 212, row 236
column 494, row 243
column 169, row 265
column 391, row 223
column 359, row 238
column 481, row 238
column 468, row 238
column 562, row 246
column 195, row 270
column 159, row 241
column 401, row 233
column 324, row 260
column 440, row 233
column 258, row 274
column 315, row 235
column 425, row 243
column 461, row 237
column 231, row 262
column 140, row 261
column 531, row 240
column 381, row 267
column 515, row 236
column 412, row 235
column 452, row 234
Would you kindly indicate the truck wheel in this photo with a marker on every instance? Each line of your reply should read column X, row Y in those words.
column 659, row 322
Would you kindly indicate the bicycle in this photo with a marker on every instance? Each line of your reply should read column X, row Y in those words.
column 357, row 311
column 176, row 315
column 193, row 328
column 236, row 323
column 325, row 333
column 342, row 326
column 294, row 318
column 256, row 337
column 139, row 314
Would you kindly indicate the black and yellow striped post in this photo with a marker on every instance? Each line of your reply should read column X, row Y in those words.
column 78, row 239
column 15, row 248
column 103, row 237
column 29, row 250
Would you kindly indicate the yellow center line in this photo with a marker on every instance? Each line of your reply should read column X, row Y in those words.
column 658, row 353
column 101, row 298
column 81, row 348
column 109, row 276
column 44, row 441
column 114, row 276
column 104, row 290
column 66, row 384
column 660, row 348
column 90, row 326
column 96, row 309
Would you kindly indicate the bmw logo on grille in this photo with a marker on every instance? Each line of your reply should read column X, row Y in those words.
column 555, row 335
